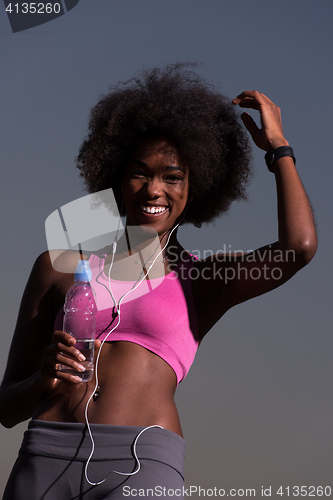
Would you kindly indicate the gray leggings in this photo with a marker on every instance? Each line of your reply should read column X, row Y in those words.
column 52, row 458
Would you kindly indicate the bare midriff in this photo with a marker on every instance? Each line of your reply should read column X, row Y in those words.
column 136, row 388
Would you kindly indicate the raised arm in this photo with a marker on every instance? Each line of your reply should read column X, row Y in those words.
column 245, row 276
column 296, row 228
column 295, row 217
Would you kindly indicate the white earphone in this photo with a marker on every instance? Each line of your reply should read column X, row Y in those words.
column 114, row 248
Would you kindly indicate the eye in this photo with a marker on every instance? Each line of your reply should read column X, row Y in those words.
column 173, row 179
column 137, row 173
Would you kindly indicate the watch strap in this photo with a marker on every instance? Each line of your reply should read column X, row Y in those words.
column 272, row 156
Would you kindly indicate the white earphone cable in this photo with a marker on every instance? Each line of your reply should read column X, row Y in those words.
column 117, row 306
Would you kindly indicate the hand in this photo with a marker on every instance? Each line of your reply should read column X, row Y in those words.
column 62, row 352
column 270, row 136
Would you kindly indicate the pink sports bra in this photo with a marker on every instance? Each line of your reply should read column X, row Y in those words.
column 158, row 315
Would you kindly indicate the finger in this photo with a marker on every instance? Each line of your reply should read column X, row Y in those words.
column 52, row 374
column 52, row 364
column 253, row 94
column 65, row 377
column 65, row 338
column 65, row 367
column 247, row 102
column 251, row 99
column 59, row 347
column 250, row 104
column 57, row 375
column 63, row 359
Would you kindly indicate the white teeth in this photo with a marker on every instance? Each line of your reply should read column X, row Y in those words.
column 153, row 210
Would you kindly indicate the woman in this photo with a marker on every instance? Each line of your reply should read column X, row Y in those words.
column 173, row 151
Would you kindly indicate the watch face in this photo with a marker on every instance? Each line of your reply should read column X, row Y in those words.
column 269, row 157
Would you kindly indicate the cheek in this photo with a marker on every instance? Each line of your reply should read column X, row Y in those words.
column 130, row 188
column 183, row 193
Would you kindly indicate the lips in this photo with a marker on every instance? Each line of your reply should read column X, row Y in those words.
column 153, row 210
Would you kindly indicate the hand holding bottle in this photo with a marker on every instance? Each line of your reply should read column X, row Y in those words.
column 63, row 361
column 70, row 356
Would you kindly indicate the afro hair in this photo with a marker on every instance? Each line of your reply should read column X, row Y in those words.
column 177, row 104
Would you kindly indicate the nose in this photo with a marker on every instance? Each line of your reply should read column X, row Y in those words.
column 154, row 188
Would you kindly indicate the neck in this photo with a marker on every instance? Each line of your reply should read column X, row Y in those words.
column 145, row 247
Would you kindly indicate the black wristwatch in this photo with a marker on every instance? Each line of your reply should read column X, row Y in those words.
column 276, row 154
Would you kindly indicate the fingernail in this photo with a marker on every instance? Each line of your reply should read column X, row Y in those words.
column 71, row 341
column 77, row 379
column 81, row 357
column 81, row 368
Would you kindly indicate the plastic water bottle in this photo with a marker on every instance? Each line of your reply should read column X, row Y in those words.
column 79, row 319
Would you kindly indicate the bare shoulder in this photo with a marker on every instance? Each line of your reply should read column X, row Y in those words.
column 65, row 261
column 51, row 276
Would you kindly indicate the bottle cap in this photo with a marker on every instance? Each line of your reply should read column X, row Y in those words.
column 82, row 271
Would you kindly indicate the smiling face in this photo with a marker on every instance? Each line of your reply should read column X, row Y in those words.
column 155, row 186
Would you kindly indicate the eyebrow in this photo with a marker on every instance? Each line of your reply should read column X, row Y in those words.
column 168, row 167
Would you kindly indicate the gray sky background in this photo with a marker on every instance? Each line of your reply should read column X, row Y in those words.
column 256, row 407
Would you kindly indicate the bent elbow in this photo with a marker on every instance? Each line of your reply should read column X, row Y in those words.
column 6, row 420
column 306, row 250
column 8, row 425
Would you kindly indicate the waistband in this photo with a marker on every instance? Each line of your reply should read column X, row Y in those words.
column 71, row 441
